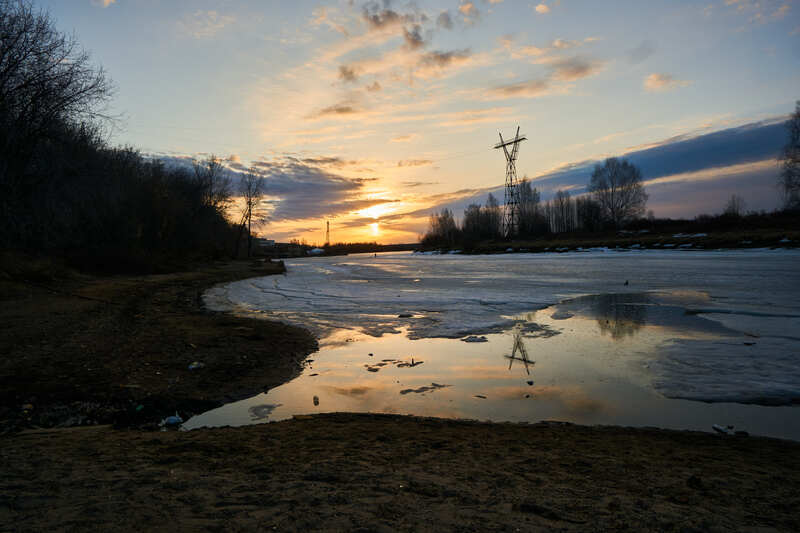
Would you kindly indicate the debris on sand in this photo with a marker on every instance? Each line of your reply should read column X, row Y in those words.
column 172, row 421
column 426, row 388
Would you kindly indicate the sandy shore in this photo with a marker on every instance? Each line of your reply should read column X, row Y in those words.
column 348, row 472
column 117, row 349
column 95, row 349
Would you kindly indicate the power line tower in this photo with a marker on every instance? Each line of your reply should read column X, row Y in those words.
column 511, row 207
column 327, row 232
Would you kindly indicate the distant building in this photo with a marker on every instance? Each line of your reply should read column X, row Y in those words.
column 316, row 251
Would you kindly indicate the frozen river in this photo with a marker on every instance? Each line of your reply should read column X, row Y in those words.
column 665, row 338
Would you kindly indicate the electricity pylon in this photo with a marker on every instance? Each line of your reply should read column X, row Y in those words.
column 511, row 206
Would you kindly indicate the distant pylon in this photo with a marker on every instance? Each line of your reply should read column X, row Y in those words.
column 327, row 232
column 511, row 205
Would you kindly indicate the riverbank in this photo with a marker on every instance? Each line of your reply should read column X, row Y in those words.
column 82, row 349
column 350, row 472
column 728, row 240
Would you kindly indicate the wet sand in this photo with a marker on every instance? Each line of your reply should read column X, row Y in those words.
column 81, row 345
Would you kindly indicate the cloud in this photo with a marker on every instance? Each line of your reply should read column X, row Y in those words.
column 321, row 16
column 761, row 11
column 328, row 161
column 542, row 9
column 575, row 68
column 414, row 184
column 469, row 12
column 299, row 189
column 663, row 82
column 432, row 63
column 444, row 20
column 404, row 138
column 523, row 89
column 561, row 70
column 641, row 52
column 103, row 3
column 414, row 163
column 347, row 73
column 341, row 109
column 204, row 24
column 378, row 18
column 373, row 87
column 413, row 37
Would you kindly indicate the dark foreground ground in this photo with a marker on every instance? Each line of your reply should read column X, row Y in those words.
column 85, row 350
column 347, row 472
column 116, row 350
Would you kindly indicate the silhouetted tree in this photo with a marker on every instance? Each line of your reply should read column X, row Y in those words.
column 617, row 187
column 589, row 214
column 251, row 187
column 735, row 206
column 492, row 218
column 49, row 90
column 790, row 159
column 214, row 181
column 442, row 230
column 471, row 225
column 531, row 219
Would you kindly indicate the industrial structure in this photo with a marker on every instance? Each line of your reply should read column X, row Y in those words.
column 511, row 205
column 327, row 233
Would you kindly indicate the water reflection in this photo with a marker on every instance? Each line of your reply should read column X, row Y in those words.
column 620, row 315
column 519, row 352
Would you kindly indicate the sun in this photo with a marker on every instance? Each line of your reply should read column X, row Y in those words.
column 375, row 227
column 377, row 211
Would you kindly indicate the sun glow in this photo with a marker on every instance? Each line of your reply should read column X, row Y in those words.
column 376, row 230
column 377, row 211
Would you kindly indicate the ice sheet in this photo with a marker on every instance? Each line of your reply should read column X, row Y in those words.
column 748, row 292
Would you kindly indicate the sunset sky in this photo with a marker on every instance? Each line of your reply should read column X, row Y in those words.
column 372, row 114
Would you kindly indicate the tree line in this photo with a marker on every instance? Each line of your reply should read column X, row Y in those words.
column 616, row 196
column 65, row 191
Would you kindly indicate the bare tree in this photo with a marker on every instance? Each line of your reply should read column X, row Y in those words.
column 251, row 187
column 617, row 187
column 531, row 220
column 492, row 217
column 735, row 206
column 790, row 159
column 48, row 88
column 214, row 182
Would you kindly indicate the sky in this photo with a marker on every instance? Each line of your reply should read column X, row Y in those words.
column 374, row 114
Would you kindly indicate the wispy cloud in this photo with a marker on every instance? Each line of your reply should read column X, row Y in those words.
column 414, row 163
column 522, row 89
column 542, row 8
column 575, row 68
column 347, row 73
column 444, row 20
column 103, row 3
column 469, row 11
column 659, row 82
column 204, row 24
column 644, row 50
